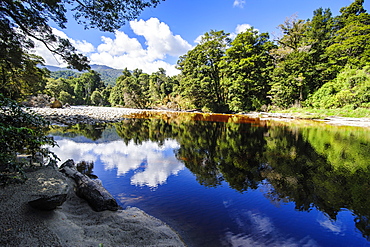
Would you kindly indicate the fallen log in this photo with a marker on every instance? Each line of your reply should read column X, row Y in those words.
column 94, row 193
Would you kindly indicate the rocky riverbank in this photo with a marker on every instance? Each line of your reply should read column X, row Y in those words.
column 96, row 115
column 84, row 114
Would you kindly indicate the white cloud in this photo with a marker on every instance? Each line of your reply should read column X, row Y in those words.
column 159, row 38
column 239, row 3
column 242, row 27
column 123, row 51
column 153, row 164
column 239, row 29
column 198, row 39
column 334, row 226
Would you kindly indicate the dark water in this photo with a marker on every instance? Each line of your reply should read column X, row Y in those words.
column 223, row 180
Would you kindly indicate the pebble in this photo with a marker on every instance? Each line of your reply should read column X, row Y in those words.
column 84, row 114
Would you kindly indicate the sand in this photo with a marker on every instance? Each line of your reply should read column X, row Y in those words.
column 74, row 223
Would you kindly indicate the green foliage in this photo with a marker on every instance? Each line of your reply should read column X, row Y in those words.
column 312, row 54
column 21, row 131
column 306, row 66
column 247, row 66
column 79, row 90
column 203, row 80
column 97, row 98
column 108, row 75
column 19, row 80
column 140, row 90
column 350, row 88
column 65, row 74
column 250, row 72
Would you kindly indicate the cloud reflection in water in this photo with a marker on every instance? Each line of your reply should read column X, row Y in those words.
column 153, row 163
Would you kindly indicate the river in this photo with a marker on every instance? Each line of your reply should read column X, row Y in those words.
column 228, row 180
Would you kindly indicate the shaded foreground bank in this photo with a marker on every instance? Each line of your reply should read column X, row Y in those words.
column 74, row 223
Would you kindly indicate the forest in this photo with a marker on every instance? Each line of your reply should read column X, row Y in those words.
column 322, row 62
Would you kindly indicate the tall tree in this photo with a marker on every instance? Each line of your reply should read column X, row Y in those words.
column 319, row 35
column 203, row 79
column 116, row 95
column 290, row 76
column 247, row 65
column 351, row 43
column 91, row 81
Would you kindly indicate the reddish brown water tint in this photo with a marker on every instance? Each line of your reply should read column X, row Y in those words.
column 197, row 116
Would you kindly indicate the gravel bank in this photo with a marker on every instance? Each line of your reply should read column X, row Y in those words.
column 84, row 114
column 94, row 115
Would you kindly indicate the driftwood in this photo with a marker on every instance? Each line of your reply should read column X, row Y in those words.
column 95, row 194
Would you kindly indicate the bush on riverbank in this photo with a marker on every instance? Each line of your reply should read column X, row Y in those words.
column 21, row 132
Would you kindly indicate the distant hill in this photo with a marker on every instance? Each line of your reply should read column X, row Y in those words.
column 54, row 68
column 107, row 74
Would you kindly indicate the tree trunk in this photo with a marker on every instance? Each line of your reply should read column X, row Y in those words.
column 95, row 194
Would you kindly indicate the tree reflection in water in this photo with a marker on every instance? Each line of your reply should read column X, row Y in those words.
column 316, row 166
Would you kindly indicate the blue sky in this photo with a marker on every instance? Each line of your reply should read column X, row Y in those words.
column 160, row 35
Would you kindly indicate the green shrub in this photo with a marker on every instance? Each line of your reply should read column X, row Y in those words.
column 21, row 132
column 351, row 87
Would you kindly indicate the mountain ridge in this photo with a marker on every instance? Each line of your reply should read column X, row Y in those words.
column 108, row 74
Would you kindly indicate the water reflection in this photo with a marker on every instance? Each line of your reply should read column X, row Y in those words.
column 314, row 167
column 153, row 163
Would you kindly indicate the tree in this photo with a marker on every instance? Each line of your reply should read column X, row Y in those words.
column 302, row 65
column 247, row 65
column 55, row 86
column 350, row 88
column 293, row 31
column 203, row 79
column 351, row 43
column 116, row 96
column 90, row 82
column 20, row 80
column 96, row 98
column 22, row 21
column 290, row 77
column 319, row 36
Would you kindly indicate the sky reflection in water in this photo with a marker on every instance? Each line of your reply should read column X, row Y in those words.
column 259, row 186
column 156, row 163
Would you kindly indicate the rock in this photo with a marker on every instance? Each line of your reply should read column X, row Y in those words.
column 56, row 104
column 51, row 191
column 48, row 202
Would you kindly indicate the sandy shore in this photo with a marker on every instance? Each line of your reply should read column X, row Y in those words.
column 74, row 223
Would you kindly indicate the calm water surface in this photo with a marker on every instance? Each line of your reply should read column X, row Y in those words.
column 223, row 180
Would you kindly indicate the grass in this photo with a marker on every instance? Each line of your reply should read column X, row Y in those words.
column 311, row 113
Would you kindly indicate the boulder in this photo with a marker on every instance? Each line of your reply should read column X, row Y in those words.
column 46, row 202
column 50, row 192
column 56, row 104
